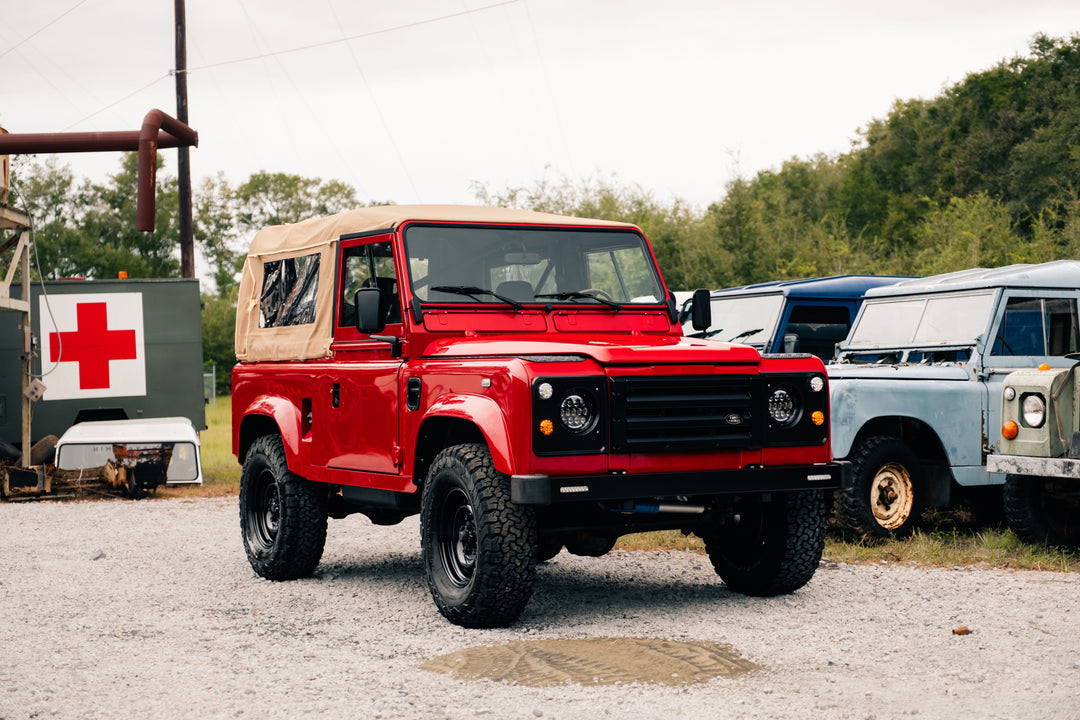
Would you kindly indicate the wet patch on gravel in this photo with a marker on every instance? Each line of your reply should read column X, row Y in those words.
column 595, row 661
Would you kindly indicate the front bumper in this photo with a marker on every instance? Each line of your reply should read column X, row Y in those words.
column 1038, row 466
column 548, row 490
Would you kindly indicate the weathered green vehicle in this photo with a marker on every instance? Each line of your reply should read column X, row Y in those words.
column 1039, row 451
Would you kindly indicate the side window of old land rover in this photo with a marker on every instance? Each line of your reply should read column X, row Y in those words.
column 367, row 266
column 1037, row 327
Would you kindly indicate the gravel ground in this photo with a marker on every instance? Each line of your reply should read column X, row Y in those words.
column 149, row 609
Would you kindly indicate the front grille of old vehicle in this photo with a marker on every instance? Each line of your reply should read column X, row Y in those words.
column 685, row 413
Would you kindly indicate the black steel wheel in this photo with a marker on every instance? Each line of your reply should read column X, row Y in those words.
column 456, row 536
column 769, row 547
column 282, row 515
column 479, row 548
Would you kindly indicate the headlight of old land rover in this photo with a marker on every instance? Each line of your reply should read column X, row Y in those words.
column 568, row 415
column 1033, row 409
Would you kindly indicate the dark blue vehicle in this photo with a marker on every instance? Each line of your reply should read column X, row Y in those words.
column 809, row 315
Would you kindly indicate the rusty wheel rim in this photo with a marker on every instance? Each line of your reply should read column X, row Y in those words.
column 892, row 496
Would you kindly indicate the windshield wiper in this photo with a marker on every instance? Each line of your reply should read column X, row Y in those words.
column 576, row 295
column 747, row 333
column 706, row 334
column 472, row 292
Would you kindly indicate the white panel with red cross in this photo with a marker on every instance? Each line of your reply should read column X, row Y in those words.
column 92, row 345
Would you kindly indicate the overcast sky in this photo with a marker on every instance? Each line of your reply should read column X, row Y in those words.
column 416, row 100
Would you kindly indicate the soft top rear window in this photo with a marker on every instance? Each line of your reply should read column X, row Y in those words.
column 289, row 289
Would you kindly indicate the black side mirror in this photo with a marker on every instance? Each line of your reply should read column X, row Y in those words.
column 368, row 303
column 701, row 310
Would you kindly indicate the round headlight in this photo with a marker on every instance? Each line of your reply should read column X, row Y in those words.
column 783, row 408
column 1034, row 410
column 577, row 414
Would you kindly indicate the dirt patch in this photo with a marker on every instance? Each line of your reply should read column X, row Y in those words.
column 595, row 661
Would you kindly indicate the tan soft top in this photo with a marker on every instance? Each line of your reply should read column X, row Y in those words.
column 320, row 236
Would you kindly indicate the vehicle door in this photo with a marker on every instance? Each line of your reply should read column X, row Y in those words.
column 1031, row 328
column 361, row 397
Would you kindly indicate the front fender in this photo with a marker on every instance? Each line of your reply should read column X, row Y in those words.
column 953, row 410
column 486, row 414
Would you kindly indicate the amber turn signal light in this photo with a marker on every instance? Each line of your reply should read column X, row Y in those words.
column 1009, row 430
column 817, row 417
column 546, row 427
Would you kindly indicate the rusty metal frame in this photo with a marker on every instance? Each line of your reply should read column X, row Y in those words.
column 158, row 130
column 19, row 222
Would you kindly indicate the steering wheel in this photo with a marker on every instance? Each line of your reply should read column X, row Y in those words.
column 599, row 293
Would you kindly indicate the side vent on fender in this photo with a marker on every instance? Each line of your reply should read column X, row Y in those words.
column 412, row 393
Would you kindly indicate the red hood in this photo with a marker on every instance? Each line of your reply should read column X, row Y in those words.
column 611, row 350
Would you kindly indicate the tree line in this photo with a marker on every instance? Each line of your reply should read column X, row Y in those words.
column 985, row 174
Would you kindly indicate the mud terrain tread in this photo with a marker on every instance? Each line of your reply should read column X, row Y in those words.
column 783, row 557
column 1024, row 499
column 853, row 511
column 505, row 572
column 301, row 533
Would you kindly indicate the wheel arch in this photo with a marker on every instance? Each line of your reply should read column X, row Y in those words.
column 455, row 419
column 438, row 432
column 924, row 441
column 268, row 415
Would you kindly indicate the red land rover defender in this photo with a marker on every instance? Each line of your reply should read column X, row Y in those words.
column 519, row 380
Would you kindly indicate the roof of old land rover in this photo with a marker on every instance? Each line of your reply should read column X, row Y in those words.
column 1056, row 274
column 317, row 231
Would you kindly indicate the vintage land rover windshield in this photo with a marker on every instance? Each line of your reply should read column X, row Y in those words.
column 457, row 264
column 942, row 320
column 748, row 320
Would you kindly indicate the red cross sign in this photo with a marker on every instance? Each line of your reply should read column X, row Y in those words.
column 96, row 346
column 93, row 345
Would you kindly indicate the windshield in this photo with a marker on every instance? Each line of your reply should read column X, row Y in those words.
column 922, row 321
column 748, row 320
column 453, row 264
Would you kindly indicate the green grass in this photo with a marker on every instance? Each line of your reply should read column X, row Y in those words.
column 942, row 543
column 946, row 540
column 221, row 472
column 984, row 547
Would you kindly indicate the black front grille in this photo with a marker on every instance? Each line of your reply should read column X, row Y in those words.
column 685, row 413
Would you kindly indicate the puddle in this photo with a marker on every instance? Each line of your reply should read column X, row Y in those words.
column 595, row 661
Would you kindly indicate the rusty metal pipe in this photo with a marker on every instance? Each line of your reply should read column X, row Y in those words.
column 123, row 140
column 158, row 130
column 153, row 123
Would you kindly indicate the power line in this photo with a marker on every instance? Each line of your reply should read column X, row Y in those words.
column 43, row 27
column 114, row 104
column 350, row 38
column 378, row 109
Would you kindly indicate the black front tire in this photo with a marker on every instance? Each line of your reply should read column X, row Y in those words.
column 887, row 494
column 1043, row 510
column 282, row 515
column 769, row 547
column 479, row 548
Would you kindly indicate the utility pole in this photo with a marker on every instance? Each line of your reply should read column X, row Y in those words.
column 187, row 234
